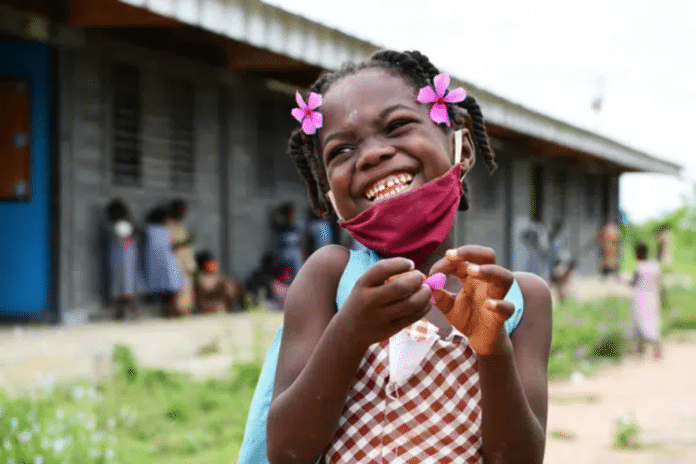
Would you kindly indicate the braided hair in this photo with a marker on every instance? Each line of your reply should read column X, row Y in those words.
column 417, row 70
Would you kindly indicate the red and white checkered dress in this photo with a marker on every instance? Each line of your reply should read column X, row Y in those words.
column 433, row 417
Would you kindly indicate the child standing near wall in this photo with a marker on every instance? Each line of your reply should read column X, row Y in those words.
column 125, row 279
column 373, row 365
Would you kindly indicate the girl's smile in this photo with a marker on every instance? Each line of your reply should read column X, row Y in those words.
column 378, row 141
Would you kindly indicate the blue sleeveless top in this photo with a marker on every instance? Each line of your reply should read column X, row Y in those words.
column 253, row 449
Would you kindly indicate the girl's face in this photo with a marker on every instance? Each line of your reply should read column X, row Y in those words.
column 378, row 141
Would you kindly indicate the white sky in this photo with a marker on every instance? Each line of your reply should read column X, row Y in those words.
column 557, row 57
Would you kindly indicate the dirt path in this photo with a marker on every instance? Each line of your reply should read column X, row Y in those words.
column 660, row 395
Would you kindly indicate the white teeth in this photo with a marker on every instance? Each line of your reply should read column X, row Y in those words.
column 395, row 182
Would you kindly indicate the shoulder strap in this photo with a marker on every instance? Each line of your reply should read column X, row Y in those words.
column 514, row 295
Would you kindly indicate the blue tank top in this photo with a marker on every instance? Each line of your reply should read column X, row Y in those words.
column 253, row 449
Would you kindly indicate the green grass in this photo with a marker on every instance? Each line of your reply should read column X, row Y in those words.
column 595, row 333
column 139, row 416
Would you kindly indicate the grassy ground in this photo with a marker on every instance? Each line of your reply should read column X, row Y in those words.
column 139, row 416
column 595, row 333
column 153, row 416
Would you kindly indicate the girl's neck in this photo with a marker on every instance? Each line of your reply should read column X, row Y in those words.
column 425, row 265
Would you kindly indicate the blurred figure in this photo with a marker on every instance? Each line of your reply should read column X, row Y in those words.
column 162, row 272
column 287, row 247
column 125, row 279
column 539, row 253
column 216, row 293
column 181, row 241
column 318, row 232
column 645, row 301
column 560, row 279
column 609, row 240
column 665, row 247
column 260, row 284
column 562, row 265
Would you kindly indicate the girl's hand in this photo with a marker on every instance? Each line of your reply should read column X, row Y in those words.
column 379, row 305
column 478, row 310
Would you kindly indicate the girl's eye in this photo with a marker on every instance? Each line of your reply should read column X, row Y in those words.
column 339, row 150
column 396, row 124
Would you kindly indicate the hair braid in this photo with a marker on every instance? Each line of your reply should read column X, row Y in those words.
column 483, row 146
column 296, row 150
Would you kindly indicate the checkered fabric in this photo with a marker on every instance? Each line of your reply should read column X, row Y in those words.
column 435, row 417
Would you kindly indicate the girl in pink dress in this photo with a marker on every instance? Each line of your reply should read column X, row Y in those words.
column 645, row 302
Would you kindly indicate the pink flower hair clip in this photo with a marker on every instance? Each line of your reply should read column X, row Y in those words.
column 306, row 113
column 440, row 97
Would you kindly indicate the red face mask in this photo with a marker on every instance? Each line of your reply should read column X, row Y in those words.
column 411, row 225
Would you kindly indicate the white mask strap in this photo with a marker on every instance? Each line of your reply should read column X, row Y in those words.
column 458, row 146
column 331, row 198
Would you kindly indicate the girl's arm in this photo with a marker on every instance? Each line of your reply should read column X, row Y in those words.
column 321, row 350
column 514, row 386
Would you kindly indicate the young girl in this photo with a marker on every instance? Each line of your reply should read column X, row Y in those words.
column 369, row 369
column 645, row 301
column 162, row 271
column 125, row 279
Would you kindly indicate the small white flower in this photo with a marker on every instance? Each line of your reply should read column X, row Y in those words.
column 45, row 443
column 59, row 445
column 97, row 436
column 38, row 460
column 60, row 413
column 78, row 393
column 10, row 461
column 111, row 422
column 24, row 436
column 94, row 453
column 14, row 423
column 36, row 427
column 7, row 444
column 91, row 423
column 109, row 454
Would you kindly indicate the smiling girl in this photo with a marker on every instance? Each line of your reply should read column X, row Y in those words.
column 373, row 365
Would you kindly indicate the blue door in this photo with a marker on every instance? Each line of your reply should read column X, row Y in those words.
column 25, row 194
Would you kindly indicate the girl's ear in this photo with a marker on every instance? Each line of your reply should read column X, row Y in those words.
column 463, row 145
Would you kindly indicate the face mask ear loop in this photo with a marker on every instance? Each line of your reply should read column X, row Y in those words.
column 331, row 198
column 458, row 148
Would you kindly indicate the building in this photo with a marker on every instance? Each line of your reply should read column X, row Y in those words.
column 150, row 100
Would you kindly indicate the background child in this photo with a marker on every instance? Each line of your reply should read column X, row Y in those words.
column 645, row 301
column 391, row 377
column 182, row 241
column 162, row 271
column 216, row 293
column 125, row 279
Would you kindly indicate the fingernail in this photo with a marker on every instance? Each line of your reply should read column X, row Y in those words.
column 474, row 268
column 491, row 304
column 411, row 264
column 451, row 254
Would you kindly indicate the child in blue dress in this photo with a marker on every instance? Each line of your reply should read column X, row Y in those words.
column 372, row 365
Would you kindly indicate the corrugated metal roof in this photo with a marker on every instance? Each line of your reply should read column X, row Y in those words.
column 269, row 27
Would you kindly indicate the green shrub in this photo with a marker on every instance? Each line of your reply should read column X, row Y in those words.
column 627, row 434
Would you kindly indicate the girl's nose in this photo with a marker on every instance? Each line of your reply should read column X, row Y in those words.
column 374, row 152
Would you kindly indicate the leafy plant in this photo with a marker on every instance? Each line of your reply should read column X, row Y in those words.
column 627, row 433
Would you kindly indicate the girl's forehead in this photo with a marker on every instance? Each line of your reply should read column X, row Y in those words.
column 366, row 91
